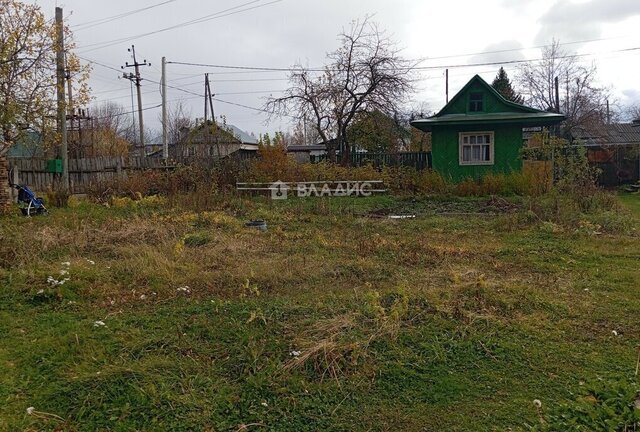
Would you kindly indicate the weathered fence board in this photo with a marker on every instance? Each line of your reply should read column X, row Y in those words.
column 82, row 172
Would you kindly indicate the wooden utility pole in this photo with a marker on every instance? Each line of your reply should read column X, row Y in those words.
column 557, row 85
column 165, row 144
column 71, row 113
column 208, row 104
column 137, row 80
column 567, row 103
column 206, row 112
column 62, row 108
column 446, row 72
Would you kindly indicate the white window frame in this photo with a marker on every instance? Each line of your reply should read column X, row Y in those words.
column 461, row 144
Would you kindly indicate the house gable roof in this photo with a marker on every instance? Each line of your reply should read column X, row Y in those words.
column 496, row 110
column 227, row 133
column 494, row 103
column 614, row 134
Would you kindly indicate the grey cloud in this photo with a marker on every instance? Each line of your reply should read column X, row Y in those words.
column 500, row 51
column 570, row 21
column 631, row 96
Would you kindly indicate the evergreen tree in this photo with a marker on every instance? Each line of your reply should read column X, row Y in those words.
column 502, row 84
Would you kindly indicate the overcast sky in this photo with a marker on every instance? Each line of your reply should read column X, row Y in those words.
column 279, row 33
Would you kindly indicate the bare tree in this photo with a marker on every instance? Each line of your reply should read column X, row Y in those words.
column 179, row 121
column 632, row 112
column 113, row 130
column 580, row 99
column 366, row 73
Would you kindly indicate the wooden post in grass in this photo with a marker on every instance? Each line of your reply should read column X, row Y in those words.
column 15, row 179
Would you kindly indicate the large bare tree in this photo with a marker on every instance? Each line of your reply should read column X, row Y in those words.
column 580, row 99
column 366, row 73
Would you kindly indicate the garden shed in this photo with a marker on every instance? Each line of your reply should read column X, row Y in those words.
column 480, row 132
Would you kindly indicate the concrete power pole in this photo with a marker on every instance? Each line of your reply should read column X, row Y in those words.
column 165, row 145
column 137, row 80
column 62, row 105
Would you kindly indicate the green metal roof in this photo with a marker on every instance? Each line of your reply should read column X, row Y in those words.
column 512, row 113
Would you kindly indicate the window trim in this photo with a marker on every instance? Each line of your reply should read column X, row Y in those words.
column 492, row 146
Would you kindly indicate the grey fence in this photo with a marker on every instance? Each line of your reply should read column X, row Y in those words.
column 82, row 172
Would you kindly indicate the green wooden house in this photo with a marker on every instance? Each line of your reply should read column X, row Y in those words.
column 480, row 132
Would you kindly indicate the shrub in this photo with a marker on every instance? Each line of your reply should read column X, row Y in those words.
column 605, row 406
column 57, row 197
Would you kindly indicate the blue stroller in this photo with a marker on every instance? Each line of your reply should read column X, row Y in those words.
column 30, row 205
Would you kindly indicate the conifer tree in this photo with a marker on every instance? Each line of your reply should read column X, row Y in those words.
column 502, row 84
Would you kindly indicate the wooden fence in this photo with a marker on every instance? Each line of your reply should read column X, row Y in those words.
column 82, row 172
column 417, row 160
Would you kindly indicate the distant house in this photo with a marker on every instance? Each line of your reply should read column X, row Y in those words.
column 480, row 132
column 29, row 145
column 307, row 153
column 614, row 149
column 213, row 142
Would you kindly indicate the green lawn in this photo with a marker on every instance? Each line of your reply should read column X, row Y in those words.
column 330, row 320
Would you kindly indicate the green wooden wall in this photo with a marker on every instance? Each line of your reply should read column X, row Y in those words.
column 445, row 148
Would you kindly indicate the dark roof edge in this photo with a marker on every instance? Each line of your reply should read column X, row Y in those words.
column 426, row 125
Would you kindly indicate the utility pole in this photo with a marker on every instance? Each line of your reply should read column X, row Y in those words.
column 71, row 112
column 137, row 80
column 62, row 108
column 446, row 72
column 557, row 86
column 206, row 111
column 208, row 104
column 165, row 145
column 567, row 104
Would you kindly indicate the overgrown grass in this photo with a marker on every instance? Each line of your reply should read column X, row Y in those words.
column 331, row 320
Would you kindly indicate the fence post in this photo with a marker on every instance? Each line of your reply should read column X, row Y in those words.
column 15, row 179
column 118, row 167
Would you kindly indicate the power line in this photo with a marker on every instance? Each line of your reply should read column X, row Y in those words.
column 452, row 66
column 521, row 49
column 217, row 15
column 219, row 100
column 126, row 113
column 95, row 23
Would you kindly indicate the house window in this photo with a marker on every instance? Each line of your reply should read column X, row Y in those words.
column 476, row 148
column 476, row 102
